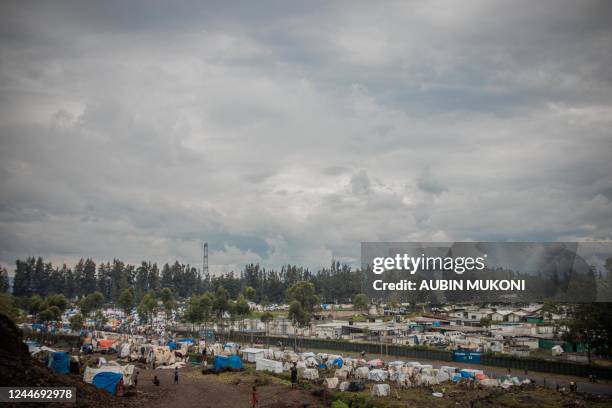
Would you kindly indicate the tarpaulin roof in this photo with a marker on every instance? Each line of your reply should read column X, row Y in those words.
column 227, row 362
column 108, row 381
column 60, row 362
column 185, row 340
column 105, row 343
column 172, row 345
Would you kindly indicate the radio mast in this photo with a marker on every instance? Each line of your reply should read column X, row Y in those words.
column 205, row 259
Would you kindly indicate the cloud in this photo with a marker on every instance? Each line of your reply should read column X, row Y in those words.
column 289, row 134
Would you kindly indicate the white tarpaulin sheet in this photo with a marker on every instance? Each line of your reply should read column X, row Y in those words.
column 362, row 373
column 263, row 364
column 311, row 374
column 381, row 390
column 251, row 355
column 331, row 382
column 377, row 375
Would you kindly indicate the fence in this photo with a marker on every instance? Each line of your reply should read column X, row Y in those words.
column 531, row 364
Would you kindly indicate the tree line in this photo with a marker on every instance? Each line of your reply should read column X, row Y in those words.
column 34, row 276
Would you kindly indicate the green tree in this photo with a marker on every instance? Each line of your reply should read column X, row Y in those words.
column 8, row 306
column 361, row 302
column 58, row 300
column 76, row 322
column 91, row 303
column 266, row 318
column 147, row 306
column 302, row 293
column 46, row 315
column 4, row 280
column 250, row 293
column 36, row 304
column 242, row 309
column 168, row 301
column 126, row 301
column 592, row 326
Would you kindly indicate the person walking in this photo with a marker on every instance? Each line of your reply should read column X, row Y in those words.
column 176, row 375
column 294, row 375
column 156, row 381
column 254, row 398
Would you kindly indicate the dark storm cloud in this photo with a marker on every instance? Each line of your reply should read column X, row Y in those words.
column 283, row 132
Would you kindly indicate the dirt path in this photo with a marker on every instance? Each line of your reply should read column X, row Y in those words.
column 225, row 390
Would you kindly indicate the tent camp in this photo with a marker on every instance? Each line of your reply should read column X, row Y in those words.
column 109, row 381
column 59, row 362
column 227, row 363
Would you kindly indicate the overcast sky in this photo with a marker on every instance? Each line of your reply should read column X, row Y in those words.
column 289, row 133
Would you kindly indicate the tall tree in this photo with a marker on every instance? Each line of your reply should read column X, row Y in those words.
column 4, row 280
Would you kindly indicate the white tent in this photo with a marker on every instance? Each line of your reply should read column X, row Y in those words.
column 381, row 390
column 251, row 355
column 263, row 364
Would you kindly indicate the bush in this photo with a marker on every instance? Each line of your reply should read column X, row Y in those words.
column 339, row 404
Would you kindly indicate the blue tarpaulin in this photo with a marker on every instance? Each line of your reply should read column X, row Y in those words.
column 227, row 363
column 172, row 345
column 60, row 362
column 338, row 362
column 108, row 381
column 185, row 341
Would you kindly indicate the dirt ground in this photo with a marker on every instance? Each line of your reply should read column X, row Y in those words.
column 224, row 390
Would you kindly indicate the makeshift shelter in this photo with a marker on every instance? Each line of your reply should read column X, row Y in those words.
column 331, row 382
column 362, row 373
column 337, row 362
column 172, row 345
column 108, row 381
column 264, row 364
column 381, row 390
column 105, row 344
column 227, row 363
column 375, row 363
column 311, row 374
column 59, row 362
column 127, row 372
column 377, row 375
column 251, row 355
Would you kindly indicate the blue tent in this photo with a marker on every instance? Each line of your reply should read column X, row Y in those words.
column 227, row 363
column 172, row 345
column 338, row 362
column 185, row 341
column 108, row 381
column 60, row 362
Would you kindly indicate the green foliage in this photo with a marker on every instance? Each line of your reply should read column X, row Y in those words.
column 339, row 404
column 361, row 302
column 304, row 301
column 91, row 303
column 8, row 306
column 36, row 304
column 592, row 325
column 266, row 317
column 76, row 322
column 147, row 306
column 221, row 302
column 126, row 301
column 4, row 280
column 59, row 301
column 250, row 293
